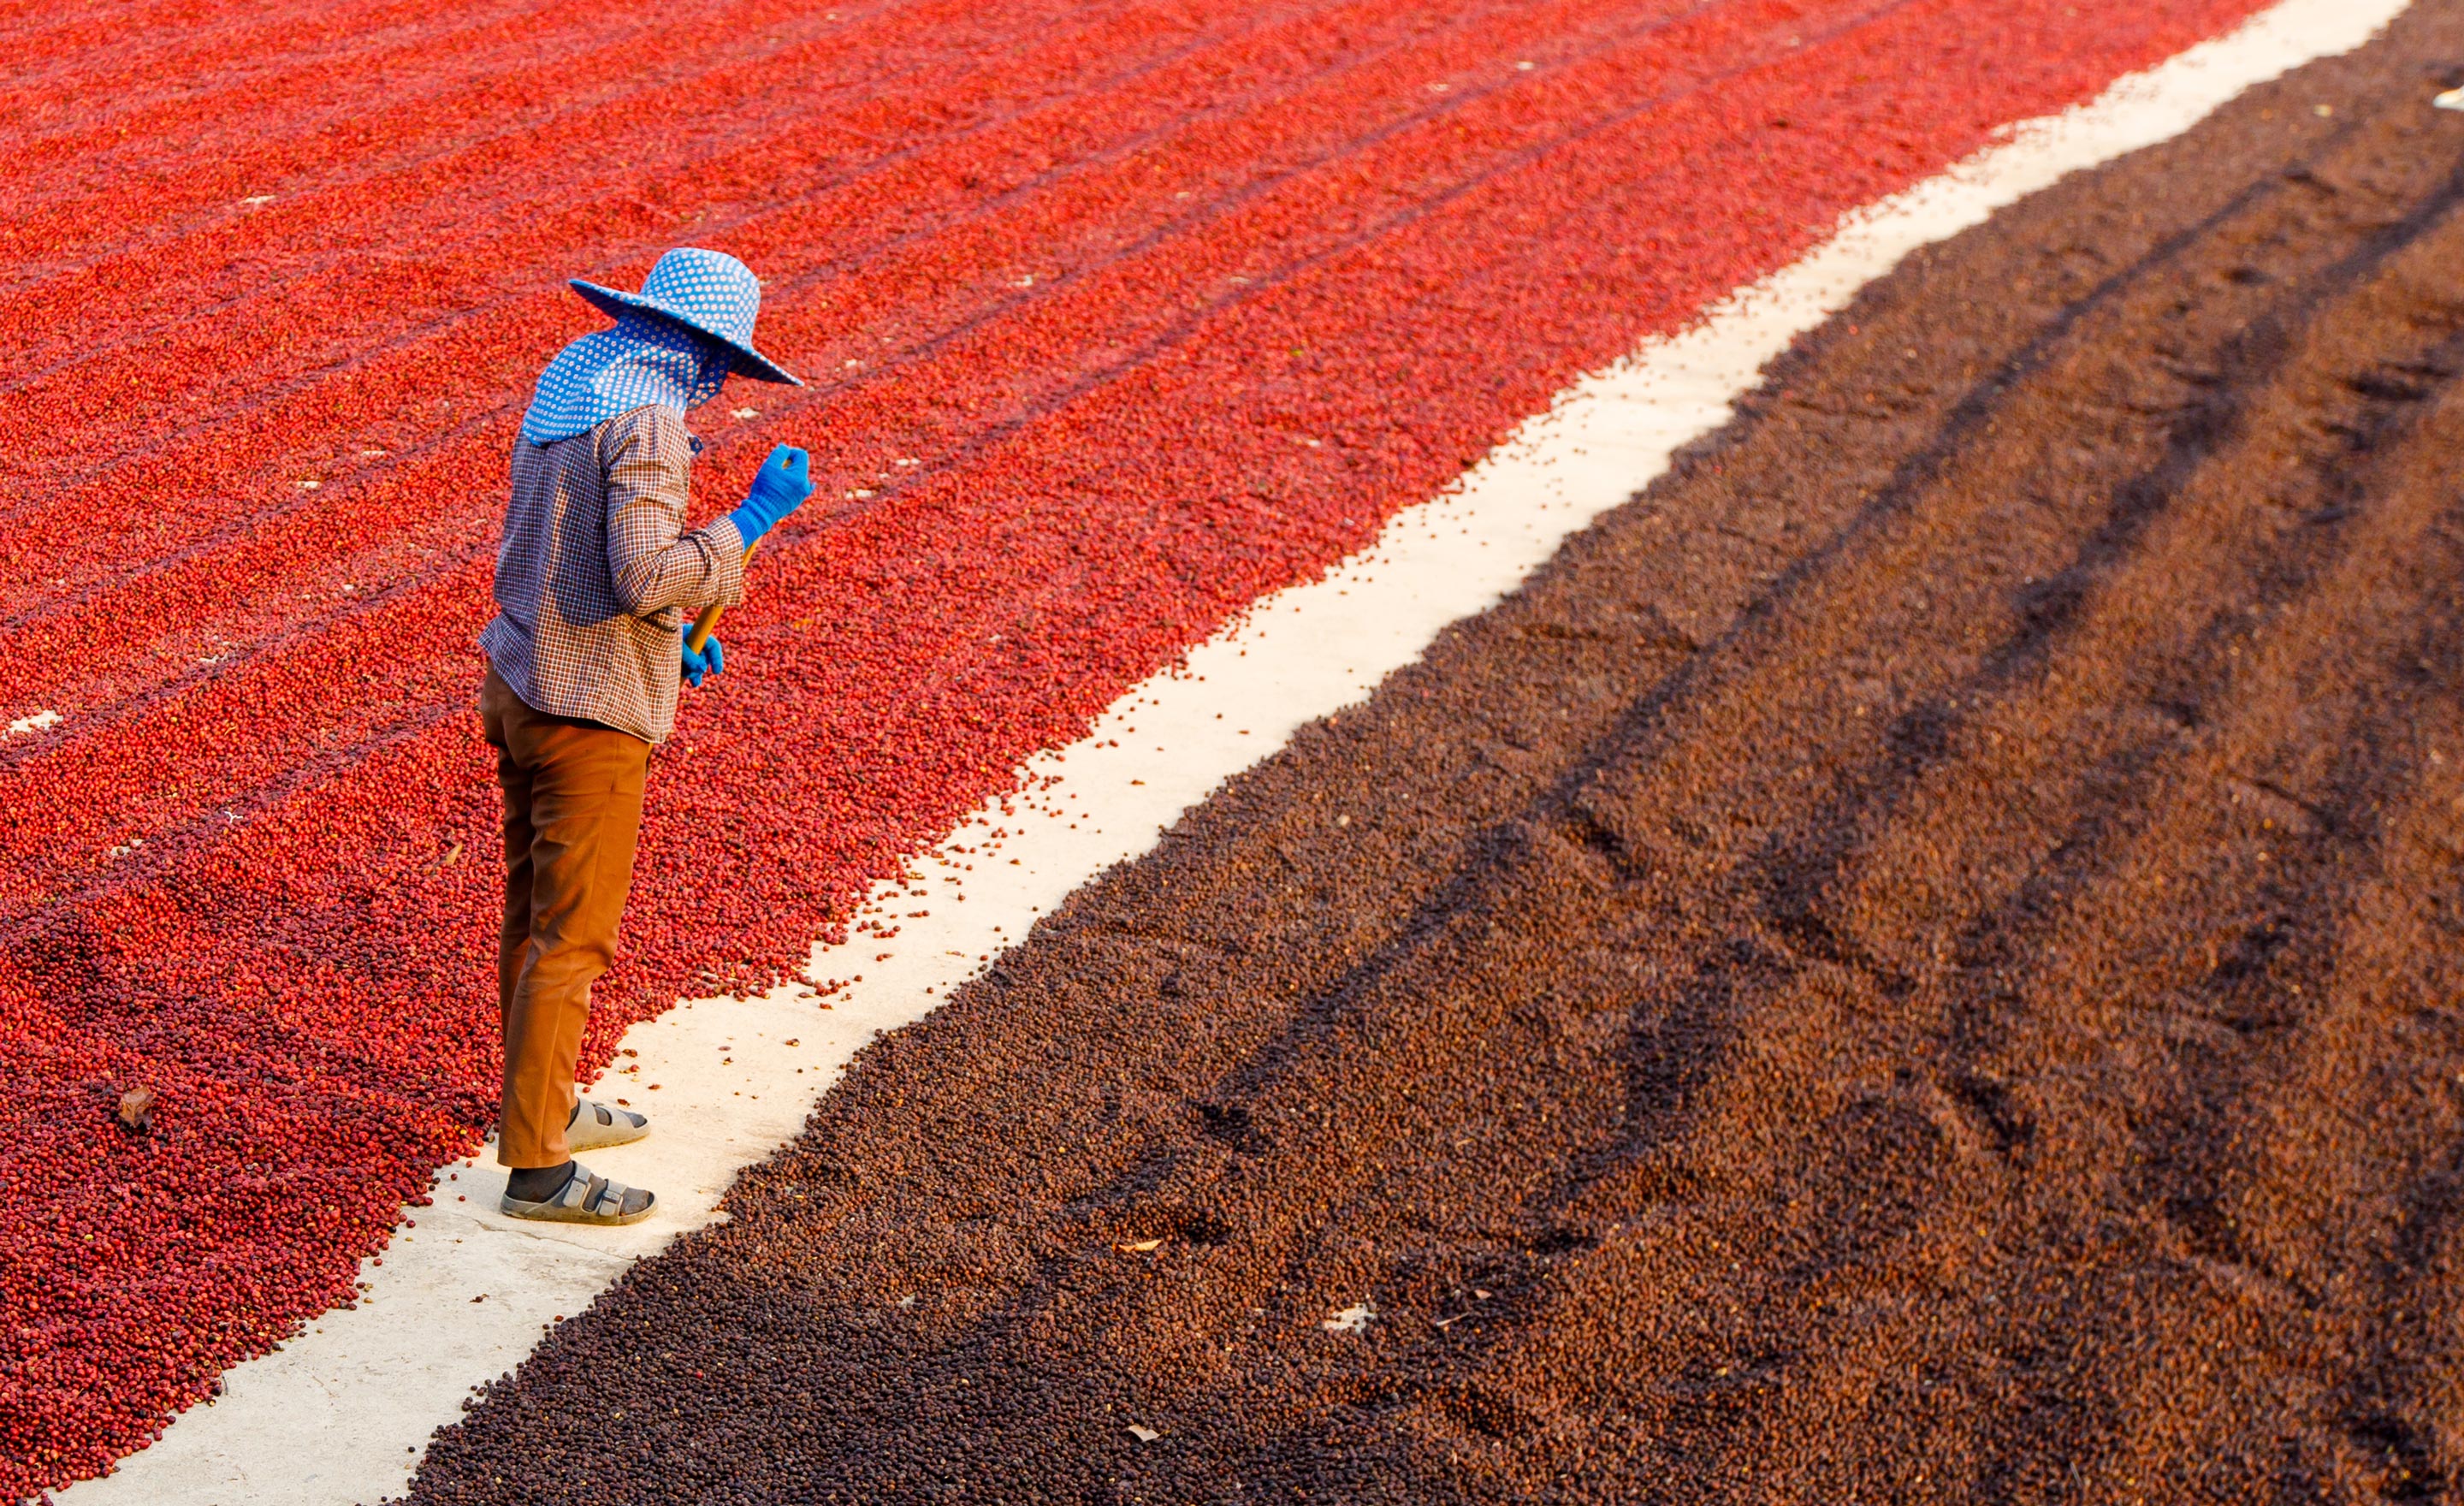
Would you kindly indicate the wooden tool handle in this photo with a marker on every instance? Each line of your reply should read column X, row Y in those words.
column 699, row 638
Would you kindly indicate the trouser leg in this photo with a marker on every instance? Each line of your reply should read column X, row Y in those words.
column 514, row 934
column 498, row 707
column 578, row 820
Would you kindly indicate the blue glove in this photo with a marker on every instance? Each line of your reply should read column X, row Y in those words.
column 710, row 660
column 779, row 490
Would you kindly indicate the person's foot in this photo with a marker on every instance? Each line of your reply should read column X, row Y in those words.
column 570, row 1194
column 538, row 1184
column 596, row 1125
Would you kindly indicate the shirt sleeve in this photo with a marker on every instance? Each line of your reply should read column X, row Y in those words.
column 654, row 563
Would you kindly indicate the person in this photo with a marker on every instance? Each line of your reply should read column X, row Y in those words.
column 596, row 584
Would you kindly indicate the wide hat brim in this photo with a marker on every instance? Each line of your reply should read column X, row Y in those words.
column 615, row 302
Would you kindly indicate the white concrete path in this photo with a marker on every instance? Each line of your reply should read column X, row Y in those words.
column 341, row 1413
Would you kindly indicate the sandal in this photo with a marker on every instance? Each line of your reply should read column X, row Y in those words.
column 595, row 1126
column 584, row 1199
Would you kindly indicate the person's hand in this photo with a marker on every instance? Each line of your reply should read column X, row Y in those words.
column 710, row 660
column 779, row 489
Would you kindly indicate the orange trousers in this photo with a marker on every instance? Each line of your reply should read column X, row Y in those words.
column 573, row 813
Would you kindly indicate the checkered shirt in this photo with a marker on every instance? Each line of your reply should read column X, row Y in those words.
column 596, row 577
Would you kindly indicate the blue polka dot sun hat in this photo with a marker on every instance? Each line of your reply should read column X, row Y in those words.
column 675, row 344
column 708, row 292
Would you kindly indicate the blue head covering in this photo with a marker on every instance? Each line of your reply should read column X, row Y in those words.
column 643, row 360
column 674, row 345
